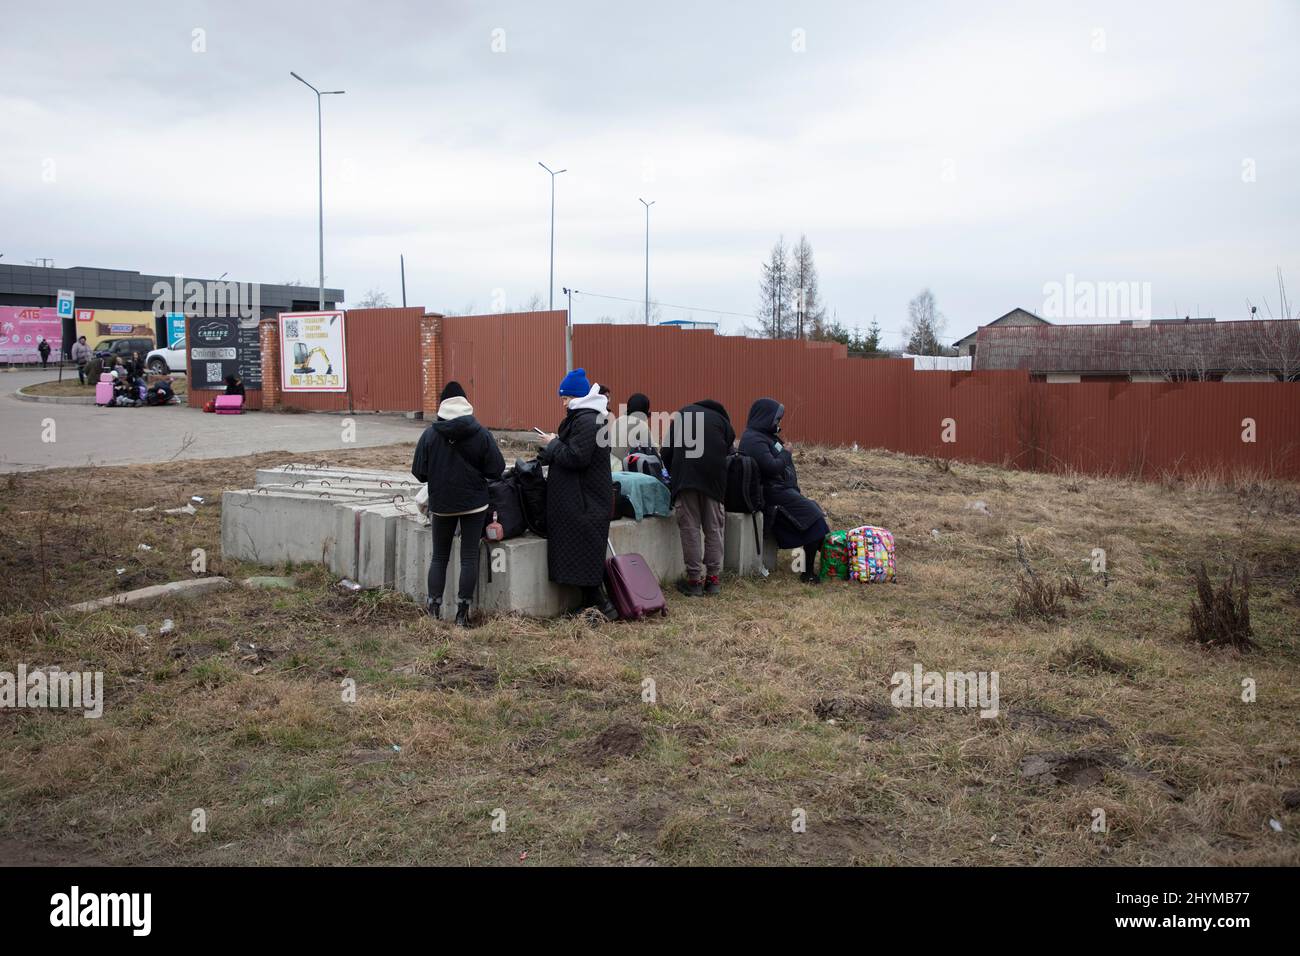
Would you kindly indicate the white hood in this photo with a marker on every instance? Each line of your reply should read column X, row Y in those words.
column 592, row 399
column 455, row 407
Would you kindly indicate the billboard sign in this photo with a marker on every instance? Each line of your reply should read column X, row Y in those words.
column 313, row 352
column 221, row 347
column 23, row 327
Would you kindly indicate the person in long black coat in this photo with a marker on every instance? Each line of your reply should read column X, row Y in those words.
column 796, row 521
column 579, row 493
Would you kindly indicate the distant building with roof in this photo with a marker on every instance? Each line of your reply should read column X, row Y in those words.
column 1154, row 351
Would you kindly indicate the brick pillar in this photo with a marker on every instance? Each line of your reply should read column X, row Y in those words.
column 268, row 332
column 430, row 363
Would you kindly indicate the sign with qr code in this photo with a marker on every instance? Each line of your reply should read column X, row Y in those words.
column 221, row 347
column 313, row 352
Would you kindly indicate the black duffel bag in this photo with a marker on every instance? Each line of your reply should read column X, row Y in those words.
column 532, row 494
column 504, row 507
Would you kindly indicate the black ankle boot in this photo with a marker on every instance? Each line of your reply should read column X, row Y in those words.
column 462, row 614
column 433, row 608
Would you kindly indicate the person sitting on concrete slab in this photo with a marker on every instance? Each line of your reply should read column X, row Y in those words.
column 457, row 457
column 579, row 493
column 796, row 521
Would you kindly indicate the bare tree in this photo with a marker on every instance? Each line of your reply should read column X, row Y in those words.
column 925, row 325
column 810, row 313
column 774, row 311
column 374, row 299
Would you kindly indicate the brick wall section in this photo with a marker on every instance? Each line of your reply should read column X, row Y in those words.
column 269, row 334
column 430, row 363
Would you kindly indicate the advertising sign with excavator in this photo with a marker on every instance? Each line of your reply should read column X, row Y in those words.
column 312, row 352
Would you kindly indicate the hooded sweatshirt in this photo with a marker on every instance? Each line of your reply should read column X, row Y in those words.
column 457, row 457
column 696, row 448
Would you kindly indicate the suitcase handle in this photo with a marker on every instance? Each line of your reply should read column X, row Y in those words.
column 612, row 552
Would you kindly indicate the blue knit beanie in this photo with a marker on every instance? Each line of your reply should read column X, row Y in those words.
column 575, row 384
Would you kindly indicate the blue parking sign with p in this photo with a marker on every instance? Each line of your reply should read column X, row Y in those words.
column 66, row 299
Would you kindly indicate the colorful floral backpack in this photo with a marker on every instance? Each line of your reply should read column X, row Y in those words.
column 871, row 555
column 835, row 556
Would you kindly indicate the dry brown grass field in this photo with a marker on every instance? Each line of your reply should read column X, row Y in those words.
column 773, row 697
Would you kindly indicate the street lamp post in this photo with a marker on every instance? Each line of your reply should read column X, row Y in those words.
column 647, row 257
column 320, row 177
column 568, row 332
column 551, row 299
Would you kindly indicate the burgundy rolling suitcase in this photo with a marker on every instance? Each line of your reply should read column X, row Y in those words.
column 633, row 587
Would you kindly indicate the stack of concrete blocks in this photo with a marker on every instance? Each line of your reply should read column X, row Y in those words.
column 363, row 525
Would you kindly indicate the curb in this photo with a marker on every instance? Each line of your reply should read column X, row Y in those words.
column 53, row 399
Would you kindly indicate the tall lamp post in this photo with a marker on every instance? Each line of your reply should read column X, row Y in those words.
column 568, row 331
column 320, row 176
column 551, row 300
column 647, row 257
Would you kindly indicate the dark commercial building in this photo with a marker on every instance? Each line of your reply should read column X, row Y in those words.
column 124, row 290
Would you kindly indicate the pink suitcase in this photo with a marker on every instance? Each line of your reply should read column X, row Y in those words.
column 103, row 392
column 633, row 587
column 230, row 404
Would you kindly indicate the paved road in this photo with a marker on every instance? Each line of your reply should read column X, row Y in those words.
column 85, row 434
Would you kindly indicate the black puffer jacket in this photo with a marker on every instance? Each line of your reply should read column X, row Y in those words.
column 781, row 494
column 706, row 427
column 579, row 497
column 457, row 457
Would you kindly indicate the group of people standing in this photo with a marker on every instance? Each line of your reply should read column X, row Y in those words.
column 458, row 457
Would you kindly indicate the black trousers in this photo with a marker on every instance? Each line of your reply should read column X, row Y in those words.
column 444, row 530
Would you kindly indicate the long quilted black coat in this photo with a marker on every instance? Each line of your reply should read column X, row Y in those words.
column 794, row 519
column 579, row 496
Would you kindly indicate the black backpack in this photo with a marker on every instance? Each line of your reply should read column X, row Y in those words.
column 744, row 485
column 645, row 461
column 532, row 494
column 505, row 505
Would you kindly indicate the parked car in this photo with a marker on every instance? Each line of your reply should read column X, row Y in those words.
column 166, row 360
column 123, row 348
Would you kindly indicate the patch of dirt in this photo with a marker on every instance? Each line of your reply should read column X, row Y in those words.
column 448, row 674
column 194, row 652
column 851, row 709
column 1031, row 718
column 1084, row 768
column 623, row 739
column 1087, row 768
column 1291, row 799
column 1086, row 656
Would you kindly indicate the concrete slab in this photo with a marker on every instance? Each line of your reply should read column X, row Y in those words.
column 270, row 527
column 193, row 587
column 294, row 472
column 740, row 548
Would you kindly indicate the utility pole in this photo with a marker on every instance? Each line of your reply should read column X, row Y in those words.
column 551, row 300
column 647, row 257
column 320, row 178
column 403, row 258
column 568, row 332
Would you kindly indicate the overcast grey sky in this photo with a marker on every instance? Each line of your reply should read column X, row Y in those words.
column 982, row 150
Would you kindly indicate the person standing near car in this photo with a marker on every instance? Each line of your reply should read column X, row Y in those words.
column 457, row 457
column 80, row 356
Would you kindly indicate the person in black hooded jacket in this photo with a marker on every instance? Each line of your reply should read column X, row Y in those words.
column 457, row 457
column 796, row 521
column 695, row 453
